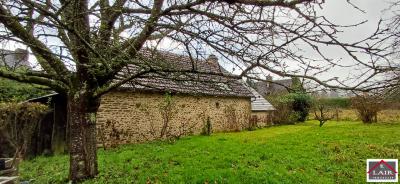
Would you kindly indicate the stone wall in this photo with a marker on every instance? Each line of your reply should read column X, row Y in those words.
column 131, row 117
column 262, row 118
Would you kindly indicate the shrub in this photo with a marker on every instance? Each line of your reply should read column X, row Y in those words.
column 283, row 108
column 207, row 128
column 301, row 104
column 17, row 126
column 291, row 108
column 367, row 107
column 110, row 131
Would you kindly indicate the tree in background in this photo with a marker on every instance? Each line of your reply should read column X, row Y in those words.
column 301, row 105
column 322, row 111
column 368, row 106
column 392, row 77
column 297, row 86
column 283, row 105
column 81, row 45
column 302, row 101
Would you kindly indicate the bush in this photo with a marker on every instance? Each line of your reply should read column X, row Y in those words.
column 18, row 122
column 367, row 107
column 283, row 108
column 291, row 108
column 301, row 104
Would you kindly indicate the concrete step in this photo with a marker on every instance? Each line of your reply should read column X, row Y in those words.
column 9, row 180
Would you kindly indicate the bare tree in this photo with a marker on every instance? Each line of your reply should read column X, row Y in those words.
column 81, row 45
column 322, row 114
column 393, row 25
column 368, row 106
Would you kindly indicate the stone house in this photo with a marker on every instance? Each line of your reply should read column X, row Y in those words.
column 261, row 110
column 182, row 100
column 165, row 105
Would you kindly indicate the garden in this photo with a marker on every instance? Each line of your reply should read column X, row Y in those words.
column 301, row 153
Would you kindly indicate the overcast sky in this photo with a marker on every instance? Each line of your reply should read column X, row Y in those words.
column 340, row 12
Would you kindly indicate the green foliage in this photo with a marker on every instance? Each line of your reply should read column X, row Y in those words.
column 25, row 111
column 335, row 102
column 297, row 86
column 302, row 153
column 251, row 83
column 291, row 107
column 167, row 99
column 12, row 91
column 284, row 113
column 18, row 122
column 301, row 104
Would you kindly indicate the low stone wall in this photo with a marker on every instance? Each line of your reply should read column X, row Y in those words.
column 131, row 117
column 263, row 118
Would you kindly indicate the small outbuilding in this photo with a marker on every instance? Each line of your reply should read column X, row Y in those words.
column 261, row 110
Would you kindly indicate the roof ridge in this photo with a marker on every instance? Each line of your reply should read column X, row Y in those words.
column 206, row 79
column 186, row 58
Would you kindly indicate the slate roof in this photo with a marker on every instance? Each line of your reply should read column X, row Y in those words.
column 277, row 87
column 14, row 59
column 184, row 75
column 259, row 103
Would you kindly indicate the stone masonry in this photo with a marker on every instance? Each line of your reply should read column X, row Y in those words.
column 130, row 117
column 262, row 118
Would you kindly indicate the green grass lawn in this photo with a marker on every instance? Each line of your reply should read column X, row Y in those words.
column 302, row 153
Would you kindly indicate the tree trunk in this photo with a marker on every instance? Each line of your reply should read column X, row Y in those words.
column 82, row 131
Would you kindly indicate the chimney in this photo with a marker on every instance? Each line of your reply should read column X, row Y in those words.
column 213, row 60
column 21, row 58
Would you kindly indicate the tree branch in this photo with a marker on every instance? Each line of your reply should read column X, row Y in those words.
column 21, row 77
column 49, row 63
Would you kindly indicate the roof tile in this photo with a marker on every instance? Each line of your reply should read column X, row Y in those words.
column 181, row 74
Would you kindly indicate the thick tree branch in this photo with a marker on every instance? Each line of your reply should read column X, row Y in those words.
column 132, row 46
column 25, row 78
column 104, row 90
column 49, row 63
